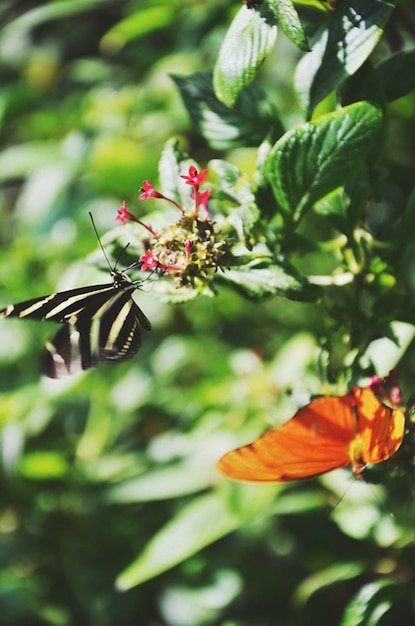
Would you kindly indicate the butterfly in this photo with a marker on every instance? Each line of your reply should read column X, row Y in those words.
column 100, row 324
column 329, row 433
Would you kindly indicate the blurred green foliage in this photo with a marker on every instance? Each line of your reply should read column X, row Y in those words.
column 108, row 480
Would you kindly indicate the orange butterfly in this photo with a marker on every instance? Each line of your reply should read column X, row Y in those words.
column 329, row 433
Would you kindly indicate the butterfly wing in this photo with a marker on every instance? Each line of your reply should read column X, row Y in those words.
column 381, row 428
column 104, row 331
column 62, row 355
column 113, row 329
column 314, row 441
column 101, row 324
column 59, row 307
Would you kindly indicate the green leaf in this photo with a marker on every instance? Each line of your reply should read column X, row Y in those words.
column 234, row 197
column 351, row 34
column 409, row 218
column 334, row 204
column 197, row 525
column 43, row 465
column 384, row 353
column 327, row 577
column 270, row 280
column 384, row 602
column 21, row 160
column 252, row 119
column 137, row 25
column 250, row 38
column 309, row 162
column 227, row 173
column 290, row 22
column 20, row 27
column 173, row 163
column 167, row 292
column 398, row 75
column 166, row 483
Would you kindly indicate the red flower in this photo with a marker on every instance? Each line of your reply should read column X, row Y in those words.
column 194, row 177
column 188, row 246
column 124, row 214
column 201, row 199
column 149, row 191
column 148, row 261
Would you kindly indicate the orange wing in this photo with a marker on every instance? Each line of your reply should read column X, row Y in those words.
column 314, row 441
column 329, row 433
column 381, row 428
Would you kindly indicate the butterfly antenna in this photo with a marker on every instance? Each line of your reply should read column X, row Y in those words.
column 381, row 502
column 100, row 243
column 119, row 257
column 340, row 500
column 372, row 491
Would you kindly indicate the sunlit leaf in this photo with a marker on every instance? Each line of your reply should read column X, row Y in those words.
column 327, row 577
column 247, row 43
column 37, row 16
column 309, row 162
column 173, row 163
column 137, row 25
column 196, row 526
column 252, row 118
column 290, row 22
column 376, row 602
column 166, row 483
column 255, row 281
column 43, row 465
column 342, row 46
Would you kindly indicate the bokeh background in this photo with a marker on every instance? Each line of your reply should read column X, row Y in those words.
column 111, row 511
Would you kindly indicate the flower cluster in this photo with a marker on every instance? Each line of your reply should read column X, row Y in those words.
column 192, row 249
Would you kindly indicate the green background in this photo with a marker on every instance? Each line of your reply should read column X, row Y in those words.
column 108, row 480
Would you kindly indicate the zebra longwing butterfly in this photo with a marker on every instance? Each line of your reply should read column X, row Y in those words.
column 101, row 324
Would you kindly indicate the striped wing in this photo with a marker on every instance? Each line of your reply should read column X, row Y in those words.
column 101, row 324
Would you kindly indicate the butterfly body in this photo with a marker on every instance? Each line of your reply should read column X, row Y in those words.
column 100, row 324
column 329, row 433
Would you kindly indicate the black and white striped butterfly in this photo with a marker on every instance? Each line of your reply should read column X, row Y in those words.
column 100, row 324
